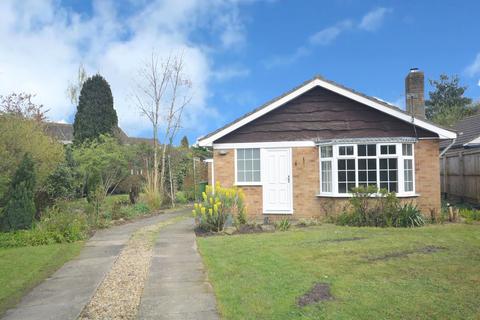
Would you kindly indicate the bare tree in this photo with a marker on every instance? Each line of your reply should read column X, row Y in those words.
column 74, row 88
column 21, row 105
column 162, row 93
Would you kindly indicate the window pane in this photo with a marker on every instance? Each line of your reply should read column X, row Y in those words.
column 372, row 163
column 383, row 149
column 362, row 176
column 248, row 153
column 392, row 149
column 392, row 187
column 342, row 188
column 256, row 164
column 350, row 150
column 240, row 165
column 240, row 153
column 362, row 164
column 407, row 149
column 372, row 150
column 256, row 176
column 392, row 163
column 326, row 152
column 341, row 151
column 248, row 176
column 408, row 175
column 351, row 164
column 248, row 165
column 351, row 175
column 342, row 176
column 372, row 176
column 255, row 153
column 326, row 176
column 362, row 150
column 240, row 176
column 341, row 164
column 383, row 163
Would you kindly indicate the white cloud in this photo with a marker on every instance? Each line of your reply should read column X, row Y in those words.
column 327, row 35
column 474, row 68
column 43, row 43
column 374, row 19
column 369, row 22
column 478, row 83
column 230, row 72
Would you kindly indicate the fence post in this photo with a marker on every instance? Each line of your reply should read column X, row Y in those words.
column 461, row 168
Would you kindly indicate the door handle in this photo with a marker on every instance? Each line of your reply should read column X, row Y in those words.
column 288, row 178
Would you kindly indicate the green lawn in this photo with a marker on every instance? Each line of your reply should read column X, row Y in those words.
column 260, row 276
column 23, row 268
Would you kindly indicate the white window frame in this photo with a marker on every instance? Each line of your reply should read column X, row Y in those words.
column 332, row 169
column 400, row 167
column 249, row 183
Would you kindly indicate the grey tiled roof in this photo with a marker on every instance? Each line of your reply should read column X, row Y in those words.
column 63, row 132
column 468, row 129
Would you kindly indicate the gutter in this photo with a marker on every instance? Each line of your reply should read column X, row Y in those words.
column 448, row 147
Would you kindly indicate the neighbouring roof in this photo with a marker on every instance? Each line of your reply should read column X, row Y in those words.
column 468, row 133
column 318, row 81
column 63, row 132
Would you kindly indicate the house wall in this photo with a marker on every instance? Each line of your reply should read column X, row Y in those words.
column 306, row 181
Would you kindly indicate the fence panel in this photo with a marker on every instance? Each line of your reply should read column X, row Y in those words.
column 460, row 175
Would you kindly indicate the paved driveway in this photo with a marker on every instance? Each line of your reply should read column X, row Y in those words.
column 67, row 291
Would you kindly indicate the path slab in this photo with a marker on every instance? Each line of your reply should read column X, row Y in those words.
column 69, row 289
column 177, row 286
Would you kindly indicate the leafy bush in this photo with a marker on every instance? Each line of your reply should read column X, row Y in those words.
column 213, row 212
column 181, row 197
column 61, row 183
column 470, row 215
column 56, row 226
column 283, row 224
column 379, row 209
column 408, row 215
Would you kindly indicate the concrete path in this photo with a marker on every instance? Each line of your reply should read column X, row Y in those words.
column 176, row 287
column 67, row 291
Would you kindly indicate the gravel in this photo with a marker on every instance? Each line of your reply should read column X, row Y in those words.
column 118, row 296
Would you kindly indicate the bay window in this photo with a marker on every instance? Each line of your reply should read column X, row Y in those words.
column 389, row 166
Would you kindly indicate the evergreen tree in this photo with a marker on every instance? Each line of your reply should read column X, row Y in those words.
column 95, row 113
column 184, row 143
column 447, row 104
column 20, row 208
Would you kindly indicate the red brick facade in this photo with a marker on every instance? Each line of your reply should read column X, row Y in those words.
column 306, row 182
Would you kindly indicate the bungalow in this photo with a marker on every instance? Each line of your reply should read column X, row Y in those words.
column 303, row 152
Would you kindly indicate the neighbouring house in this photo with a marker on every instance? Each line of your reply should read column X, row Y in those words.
column 302, row 153
column 460, row 162
column 63, row 132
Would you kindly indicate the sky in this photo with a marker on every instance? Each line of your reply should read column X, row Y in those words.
column 238, row 54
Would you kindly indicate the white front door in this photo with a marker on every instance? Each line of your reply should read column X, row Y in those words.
column 277, row 180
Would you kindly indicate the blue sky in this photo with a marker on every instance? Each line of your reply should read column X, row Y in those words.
column 239, row 54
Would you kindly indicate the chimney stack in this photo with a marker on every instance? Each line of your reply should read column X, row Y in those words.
column 414, row 93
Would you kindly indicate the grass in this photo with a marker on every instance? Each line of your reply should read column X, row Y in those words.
column 261, row 276
column 23, row 268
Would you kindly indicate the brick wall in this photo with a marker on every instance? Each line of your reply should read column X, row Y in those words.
column 305, row 169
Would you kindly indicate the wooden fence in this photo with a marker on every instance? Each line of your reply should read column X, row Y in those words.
column 460, row 175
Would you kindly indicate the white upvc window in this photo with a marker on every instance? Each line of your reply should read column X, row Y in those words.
column 247, row 166
column 389, row 166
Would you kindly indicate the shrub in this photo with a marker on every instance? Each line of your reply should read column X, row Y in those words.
column 181, row 197
column 308, row 222
column 470, row 215
column 379, row 209
column 283, row 225
column 213, row 211
column 408, row 215
column 61, row 183
column 20, row 208
column 56, row 226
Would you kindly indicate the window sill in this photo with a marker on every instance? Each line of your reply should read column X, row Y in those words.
column 248, row 184
column 349, row 195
